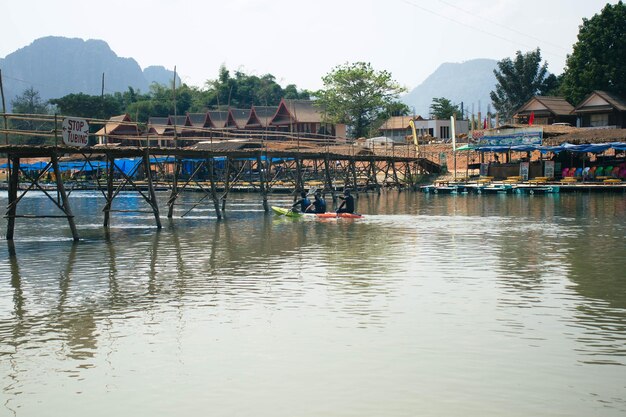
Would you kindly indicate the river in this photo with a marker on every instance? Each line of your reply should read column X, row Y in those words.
column 434, row 305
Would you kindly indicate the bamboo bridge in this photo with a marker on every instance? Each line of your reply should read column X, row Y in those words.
column 212, row 168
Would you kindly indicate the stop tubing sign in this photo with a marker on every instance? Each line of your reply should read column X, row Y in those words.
column 75, row 132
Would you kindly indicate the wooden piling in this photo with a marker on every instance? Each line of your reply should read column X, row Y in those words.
column 14, row 175
column 153, row 202
column 262, row 182
column 61, row 191
column 109, row 195
column 329, row 180
column 174, row 194
column 226, row 183
column 214, row 197
column 352, row 167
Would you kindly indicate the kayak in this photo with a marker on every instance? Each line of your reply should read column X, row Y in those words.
column 330, row 215
column 286, row 212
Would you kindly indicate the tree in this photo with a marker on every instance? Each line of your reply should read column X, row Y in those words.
column 598, row 61
column 519, row 80
column 30, row 103
column 356, row 94
column 244, row 91
column 84, row 105
column 442, row 108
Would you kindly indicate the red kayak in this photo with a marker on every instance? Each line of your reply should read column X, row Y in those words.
column 333, row 215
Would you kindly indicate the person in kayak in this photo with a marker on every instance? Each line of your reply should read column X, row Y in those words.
column 347, row 205
column 319, row 204
column 304, row 203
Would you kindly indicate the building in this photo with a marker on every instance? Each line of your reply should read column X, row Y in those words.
column 302, row 117
column 601, row 109
column 397, row 128
column 119, row 129
column 546, row 110
column 439, row 129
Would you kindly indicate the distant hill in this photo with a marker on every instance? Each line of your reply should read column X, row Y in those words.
column 57, row 66
column 468, row 82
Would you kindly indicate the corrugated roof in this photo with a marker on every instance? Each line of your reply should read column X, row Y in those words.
column 396, row 123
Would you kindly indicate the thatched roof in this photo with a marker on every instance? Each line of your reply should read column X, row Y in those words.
column 297, row 111
column 227, row 145
column 546, row 104
column 238, row 118
column 261, row 116
column 601, row 100
column 218, row 118
column 580, row 136
column 119, row 125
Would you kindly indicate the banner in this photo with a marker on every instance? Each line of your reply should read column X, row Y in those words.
column 510, row 137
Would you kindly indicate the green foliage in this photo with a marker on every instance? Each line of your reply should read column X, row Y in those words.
column 357, row 95
column 29, row 102
column 84, row 105
column 519, row 80
column 442, row 108
column 242, row 91
column 598, row 61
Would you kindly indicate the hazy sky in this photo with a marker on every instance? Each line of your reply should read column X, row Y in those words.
column 300, row 41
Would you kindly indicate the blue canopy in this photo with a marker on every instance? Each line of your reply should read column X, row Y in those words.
column 592, row 148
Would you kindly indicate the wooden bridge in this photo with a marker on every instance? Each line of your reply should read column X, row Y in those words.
column 212, row 168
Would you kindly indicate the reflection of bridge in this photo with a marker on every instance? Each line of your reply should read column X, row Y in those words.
column 214, row 171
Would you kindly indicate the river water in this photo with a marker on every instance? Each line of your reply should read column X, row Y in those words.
column 434, row 305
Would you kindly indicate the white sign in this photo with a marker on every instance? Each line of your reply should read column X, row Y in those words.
column 523, row 170
column 75, row 132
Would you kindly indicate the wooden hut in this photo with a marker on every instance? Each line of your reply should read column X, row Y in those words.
column 546, row 110
column 119, row 129
column 303, row 117
column 602, row 109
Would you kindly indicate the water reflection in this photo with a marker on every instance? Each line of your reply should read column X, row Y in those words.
column 428, row 272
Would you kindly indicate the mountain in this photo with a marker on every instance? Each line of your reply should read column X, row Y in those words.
column 57, row 66
column 469, row 82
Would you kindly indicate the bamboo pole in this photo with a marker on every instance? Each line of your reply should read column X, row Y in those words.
column 262, row 183
column 226, row 183
column 153, row 199
column 216, row 200
column 352, row 167
column 174, row 194
column 109, row 197
column 4, row 111
column 14, row 170
column 61, row 191
column 329, row 180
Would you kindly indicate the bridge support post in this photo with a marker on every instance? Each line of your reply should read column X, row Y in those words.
column 153, row 199
column 109, row 194
column 214, row 197
column 61, row 190
column 174, row 195
column 14, row 175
